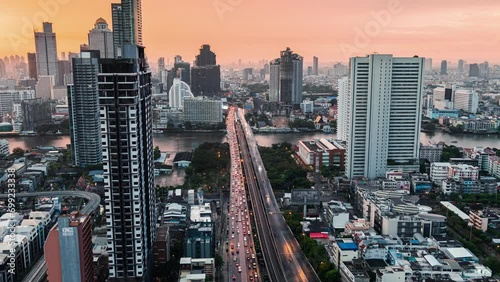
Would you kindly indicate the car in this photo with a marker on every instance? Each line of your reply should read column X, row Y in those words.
column 237, row 264
column 234, row 277
column 232, row 235
column 247, row 252
column 249, row 266
column 239, row 270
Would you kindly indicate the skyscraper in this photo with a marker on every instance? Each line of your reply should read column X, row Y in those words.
column 125, row 94
column 343, row 109
column 64, row 72
column 101, row 38
column 460, row 66
column 315, row 66
column 46, row 51
column 444, row 67
column 384, row 114
column 274, row 81
column 83, row 104
column 32, row 73
column 291, row 78
column 68, row 249
column 127, row 24
column 428, row 65
column 474, row 70
column 161, row 66
column 183, row 71
column 205, row 76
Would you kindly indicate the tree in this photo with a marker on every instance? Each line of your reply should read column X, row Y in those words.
column 17, row 152
column 498, row 153
column 219, row 261
column 457, row 129
column 332, row 275
column 188, row 125
column 157, row 153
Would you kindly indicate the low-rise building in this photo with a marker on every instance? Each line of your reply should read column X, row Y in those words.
column 196, row 269
column 431, row 153
column 344, row 250
column 321, row 152
column 198, row 110
column 479, row 220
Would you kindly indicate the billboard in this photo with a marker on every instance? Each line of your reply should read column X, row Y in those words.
column 312, row 197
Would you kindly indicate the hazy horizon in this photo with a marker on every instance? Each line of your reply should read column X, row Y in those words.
column 256, row 29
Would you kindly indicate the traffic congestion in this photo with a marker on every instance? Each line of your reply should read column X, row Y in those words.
column 240, row 249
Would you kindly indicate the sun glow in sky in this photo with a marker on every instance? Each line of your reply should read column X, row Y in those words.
column 252, row 30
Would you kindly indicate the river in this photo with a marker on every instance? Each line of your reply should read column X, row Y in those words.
column 173, row 142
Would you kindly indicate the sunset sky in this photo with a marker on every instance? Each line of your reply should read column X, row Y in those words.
column 252, row 30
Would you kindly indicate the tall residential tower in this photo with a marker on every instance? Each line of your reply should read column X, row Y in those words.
column 83, row 104
column 384, row 114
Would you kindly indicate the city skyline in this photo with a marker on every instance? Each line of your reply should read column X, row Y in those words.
column 332, row 32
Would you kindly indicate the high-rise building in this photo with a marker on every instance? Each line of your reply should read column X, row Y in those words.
column 101, row 38
column 199, row 110
column 309, row 70
column 125, row 95
column 3, row 69
column 32, row 73
column 474, row 70
column 183, row 71
column 177, row 93
column 384, row 114
column 127, row 24
column 161, row 66
column 45, row 87
column 460, row 66
column 206, row 57
column 205, row 76
column 46, row 51
column 484, row 69
column 291, row 66
column 64, row 73
column 315, row 66
column 274, row 81
column 83, row 104
column 343, row 109
column 68, row 249
column 444, row 67
column 466, row 100
column 428, row 65
column 339, row 69
column 36, row 112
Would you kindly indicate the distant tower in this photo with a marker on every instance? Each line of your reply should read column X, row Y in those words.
column 46, row 51
column 315, row 66
column 101, row 38
column 460, row 66
column 291, row 78
column 32, row 72
column 205, row 76
column 274, row 81
column 444, row 67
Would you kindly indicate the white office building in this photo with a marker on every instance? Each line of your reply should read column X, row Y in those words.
column 101, row 38
column 177, row 93
column 466, row 100
column 385, row 114
column 201, row 110
column 343, row 109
